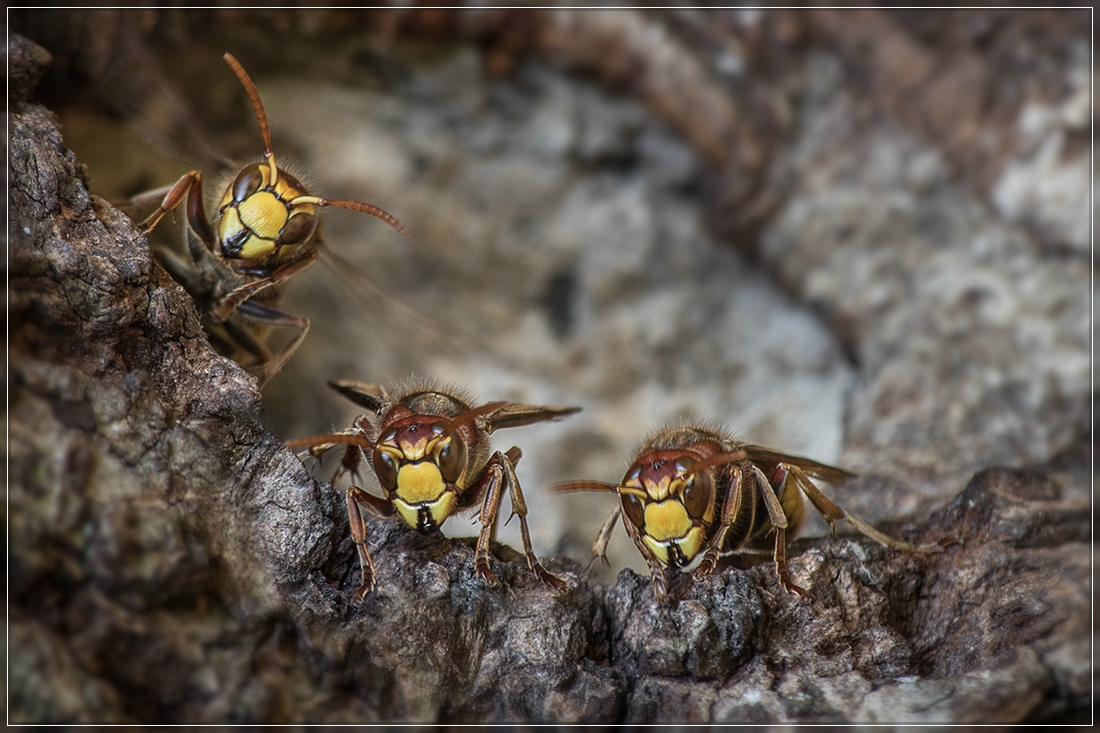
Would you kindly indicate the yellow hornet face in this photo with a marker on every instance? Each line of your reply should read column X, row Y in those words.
column 671, row 508
column 419, row 462
column 258, row 216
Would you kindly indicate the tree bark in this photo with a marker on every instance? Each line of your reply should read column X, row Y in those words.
column 172, row 562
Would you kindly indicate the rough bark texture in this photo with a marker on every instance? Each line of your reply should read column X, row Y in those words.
column 171, row 562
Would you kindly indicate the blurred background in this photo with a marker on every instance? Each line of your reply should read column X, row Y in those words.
column 861, row 237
